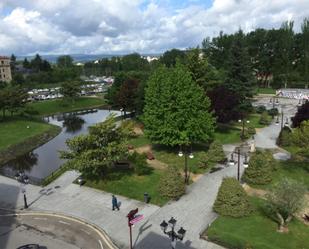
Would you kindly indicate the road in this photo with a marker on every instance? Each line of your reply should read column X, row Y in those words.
column 49, row 231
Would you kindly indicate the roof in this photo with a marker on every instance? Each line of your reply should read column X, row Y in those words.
column 4, row 57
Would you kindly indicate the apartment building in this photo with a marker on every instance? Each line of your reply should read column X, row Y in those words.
column 5, row 69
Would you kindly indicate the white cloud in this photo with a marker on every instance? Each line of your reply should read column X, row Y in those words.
column 107, row 26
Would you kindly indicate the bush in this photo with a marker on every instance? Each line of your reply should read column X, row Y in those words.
column 273, row 112
column 301, row 115
column 215, row 154
column 232, row 199
column 139, row 163
column 251, row 130
column 260, row 109
column 264, row 120
column 260, row 168
column 285, row 137
column 172, row 184
column 128, row 128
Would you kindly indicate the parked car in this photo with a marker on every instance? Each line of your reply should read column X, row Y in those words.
column 29, row 246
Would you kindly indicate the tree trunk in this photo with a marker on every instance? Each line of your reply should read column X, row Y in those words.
column 281, row 222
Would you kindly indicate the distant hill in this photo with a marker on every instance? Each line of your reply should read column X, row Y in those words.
column 78, row 57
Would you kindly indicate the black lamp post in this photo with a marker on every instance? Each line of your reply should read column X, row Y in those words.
column 274, row 100
column 24, row 179
column 172, row 234
column 232, row 162
column 243, row 121
column 186, row 154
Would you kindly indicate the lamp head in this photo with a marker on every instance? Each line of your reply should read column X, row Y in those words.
column 163, row 225
column 181, row 233
column 172, row 222
column 180, row 153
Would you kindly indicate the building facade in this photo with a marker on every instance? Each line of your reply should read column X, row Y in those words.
column 5, row 69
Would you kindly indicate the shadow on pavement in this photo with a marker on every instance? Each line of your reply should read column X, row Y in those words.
column 8, row 200
column 156, row 241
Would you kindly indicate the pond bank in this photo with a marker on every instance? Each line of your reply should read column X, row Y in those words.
column 28, row 144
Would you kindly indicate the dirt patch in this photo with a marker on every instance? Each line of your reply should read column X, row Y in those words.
column 195, row 177
column 156, row 164
column 143, row 149
column 254, row 191
column 138, row 130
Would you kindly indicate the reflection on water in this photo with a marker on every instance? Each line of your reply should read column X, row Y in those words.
column 73, row 123
column 44, row 160
column 24, row 162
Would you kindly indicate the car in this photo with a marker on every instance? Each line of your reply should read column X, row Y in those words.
column 29, row 246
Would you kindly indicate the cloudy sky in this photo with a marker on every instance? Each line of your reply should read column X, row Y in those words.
column 124, row 26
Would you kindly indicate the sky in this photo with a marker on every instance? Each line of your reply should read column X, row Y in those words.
column 125, row 26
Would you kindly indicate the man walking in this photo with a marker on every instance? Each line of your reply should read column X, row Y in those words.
column 115, row 203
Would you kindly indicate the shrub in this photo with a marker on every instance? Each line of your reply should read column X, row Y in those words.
column 260, row 109
column 172, row 184
column 251, row 130
column 139, row 163
column 232, row 199
column 301, row 115
column 273, row 112
column 260, row 168
column 215, row 154
column 285, row 137
column 284, row 200
column 264, row 120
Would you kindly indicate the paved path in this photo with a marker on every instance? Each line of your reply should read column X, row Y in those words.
column 193, row 211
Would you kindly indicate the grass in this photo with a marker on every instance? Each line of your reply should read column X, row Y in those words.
column 227, row 134
column 139, row 141
column 54, row 175
column 49, row 107
column 266, row 91
column 298, row 171
column 257, row 231
column 132, row 186
column 14, row 131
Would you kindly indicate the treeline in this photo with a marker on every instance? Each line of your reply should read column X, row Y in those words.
column 38, row 71
column 228, row 67
column 278, row 57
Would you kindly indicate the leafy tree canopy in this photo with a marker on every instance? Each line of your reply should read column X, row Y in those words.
column 176, row 109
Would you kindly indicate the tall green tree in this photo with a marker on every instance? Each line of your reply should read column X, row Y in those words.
column 94, row 154
column 240, row 74
column 65, row 61
column 176, row 109
column 305, row 47
column 170, row 57
column 70, row 90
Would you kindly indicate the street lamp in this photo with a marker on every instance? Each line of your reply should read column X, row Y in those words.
column 243, row 121
column 232, row 162
column 186, row 154
column 172, row 234
column 24, row 180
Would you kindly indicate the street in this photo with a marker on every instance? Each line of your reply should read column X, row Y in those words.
column 49, row 231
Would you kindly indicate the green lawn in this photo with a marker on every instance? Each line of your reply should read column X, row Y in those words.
column 132, row 186
column 139, row 141
column 55, row 106
column 171, row 158
column 298, row 171
column 257, row 232
column 266, row 91
column 14, row 131
column 227, row 134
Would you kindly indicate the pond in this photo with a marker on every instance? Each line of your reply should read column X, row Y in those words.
column 41, row 162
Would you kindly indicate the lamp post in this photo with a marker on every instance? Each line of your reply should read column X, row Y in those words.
column 274, row 100
column 186, row 154
column 24, row 180
column 172, row 234
column 243, row 121
column 131, row 215
column 232, row 162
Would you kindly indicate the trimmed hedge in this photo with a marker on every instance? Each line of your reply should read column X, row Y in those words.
column 172, row 184
column 232, row 199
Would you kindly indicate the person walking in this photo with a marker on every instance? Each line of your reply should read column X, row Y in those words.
column 114, row 202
